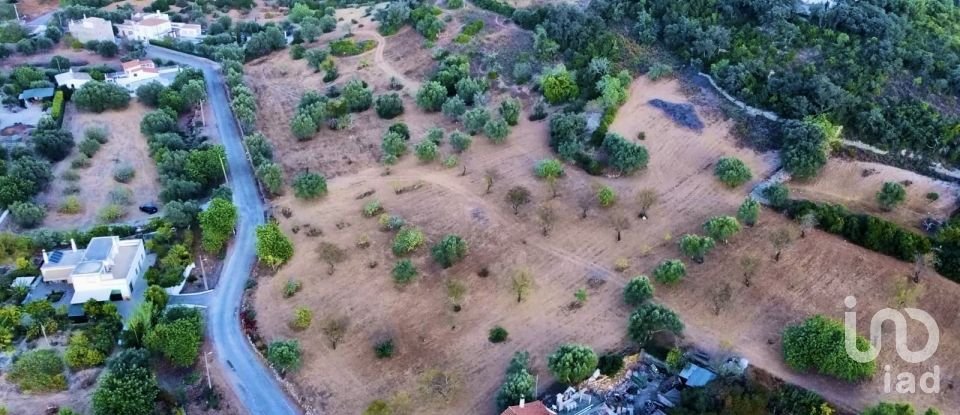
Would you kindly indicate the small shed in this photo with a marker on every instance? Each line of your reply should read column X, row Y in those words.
column 36, row 95
column 696, row 376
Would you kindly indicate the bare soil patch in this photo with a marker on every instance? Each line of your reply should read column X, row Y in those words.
column 126, row 146
column 856, row 183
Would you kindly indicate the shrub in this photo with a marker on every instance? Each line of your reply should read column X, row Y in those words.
column 357, row 96
column 81, row 161
column 98, row 134
column 450, row 250
column 496, row 130
column 454, row 107
column 89, row 147
column 427, row 151
column 384, row 349
column 475, row 119
column 549, row 169
column 638, row 290
column 27, row 214
column 431, row 96
column 460, row 141
column 372, row 208
column 933, row 196
column 670, row 271
column 273, row 247
column 732, row 172
column 407, row 241
column 302, row 317
column 623, row 155
column 610, row 364
column 97, row 96
column 70, row 206
column 404, row 272
column 650, row 318
column 510, row 110
column 291, row 288
column 40, row 370
column 606, row 197
column 559, row 86
column 284, row 355
column 497, row 335
column 659, row 70
column 891, row 195
column 696, row 247
column 778, row 195
column 721, row 228
column 572, row 363
column 121, row 195
column 749, row 211
column 389, row 105
column 818, row 344
column 309, row 185
column 124, row 173
column 111, row 213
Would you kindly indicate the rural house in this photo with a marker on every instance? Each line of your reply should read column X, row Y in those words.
column 532, row 408
column 71, row 79
column 91, row 29
column 156, row 26
column 35, row 96
column 105, row 271
column 139, row 72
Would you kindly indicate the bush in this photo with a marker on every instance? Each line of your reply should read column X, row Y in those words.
column 121, row 195
column 98, row 134
column 97, row 96
column 427, row 151
column 721, row 228
column 124, row 173
column 40, row 370
column 54, row 145
column 393, row 144
column 818, row 344
column 670, row 271
column 431, row 96
column 111, row 213
column 460, row 141
column 284, row 355
column 450, row 250
column 407, row 241
column 749, row 211
column 273, row 247
column 81, row 161
column 610, row 364
column 309, row 185
column 454, row 107
column 497, row 335
column 732, row 172
column 357, row 96
column 475, row 119
column 372, row 208
column 637, row 291
column 891, row 195
column 291, row 288
column 89, row 147
column 389, row 106
column 606, row 197
column 383, row 349
column 26, row 214
column 696, row 247
column 70, row 206
column 549, row 169
column 404, row 272
column 572, row 363
column 496, row 130
column 650, row 318
column 778, row 195
column 302, row 317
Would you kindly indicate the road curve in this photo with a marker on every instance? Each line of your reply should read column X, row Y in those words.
column 253, row 383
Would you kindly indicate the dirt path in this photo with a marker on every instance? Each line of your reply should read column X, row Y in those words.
column 378, row 59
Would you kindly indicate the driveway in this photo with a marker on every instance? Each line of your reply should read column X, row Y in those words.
column 251, row 381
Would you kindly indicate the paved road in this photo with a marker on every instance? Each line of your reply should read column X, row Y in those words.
column 253, row 383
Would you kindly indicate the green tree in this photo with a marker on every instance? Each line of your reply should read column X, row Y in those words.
column 393, row 144
column 431, row 96
column 389, row 106
column 778, row 195
column 40, row 370
column 460, row 141
column 649, row 319
column 559, row 85
column 97, row 96
column 271, row 175
column 638, row 290
column 309, row 185
column 886, row 408
column 284, row 355
column 749, row 211
column 721, row 228
column 128, row 387
column 427, row 151
column 27, row 214
column 217, row 223
column 670, row 271
column 496, row 130
column 623, row 155
column 572, row 363
column 407, row 241
column 450, row 250
column 81, row 354
column 510, row 110
column 891, row 195
column 177, row 340
column 517, row 196
column 302, row 317
column 454, row 107
column 518, row 383
column 606, row 197
column 475, row 119
column 357, row 96
column 404, row 272
column 549, row 169
column 273, row 247
column 805, row 149
column 149, row 94
column 303, row 127
column 732, row 171
column 696, row 247
column 818, row 344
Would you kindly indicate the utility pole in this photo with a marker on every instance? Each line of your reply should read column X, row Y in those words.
column 203, row 273
column 203, row 118
column 15, row 11
column 224, row 168
column 44, row 331
column 206, row 364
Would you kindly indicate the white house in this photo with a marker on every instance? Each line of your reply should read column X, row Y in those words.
column 156, row 26
column 105, row 271
column 71, row 79
column 139, row 72
column 91, row 28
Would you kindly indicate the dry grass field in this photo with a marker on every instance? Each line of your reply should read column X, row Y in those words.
column 814, row 276
column 126, row 145
column 855, row 184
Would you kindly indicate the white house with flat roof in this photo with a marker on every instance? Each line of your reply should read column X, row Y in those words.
column 71, row 79
column 91, row 28
column 155, row 26
column 106, row 270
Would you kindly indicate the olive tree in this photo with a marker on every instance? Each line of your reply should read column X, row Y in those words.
column 518, row 196
column 732, row 171
column 649, row 319
column 696, row 247
column 572, row 363
column 450, row 250
column 891, row 195
column 670, row 271
column 309, row 185
column 638, row 290
column 749, row 211
column 721, row 228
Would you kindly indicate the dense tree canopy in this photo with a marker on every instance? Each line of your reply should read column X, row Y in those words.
column 818, row 344
column 572, row 363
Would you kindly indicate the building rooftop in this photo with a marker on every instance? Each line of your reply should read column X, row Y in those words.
column 70, row 75
column 36, row 93
column 532, row 408
column 696, row 376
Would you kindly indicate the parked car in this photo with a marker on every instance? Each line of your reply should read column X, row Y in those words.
column 149, row 209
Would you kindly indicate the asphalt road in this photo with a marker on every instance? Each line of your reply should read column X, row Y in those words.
column 252, row 383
